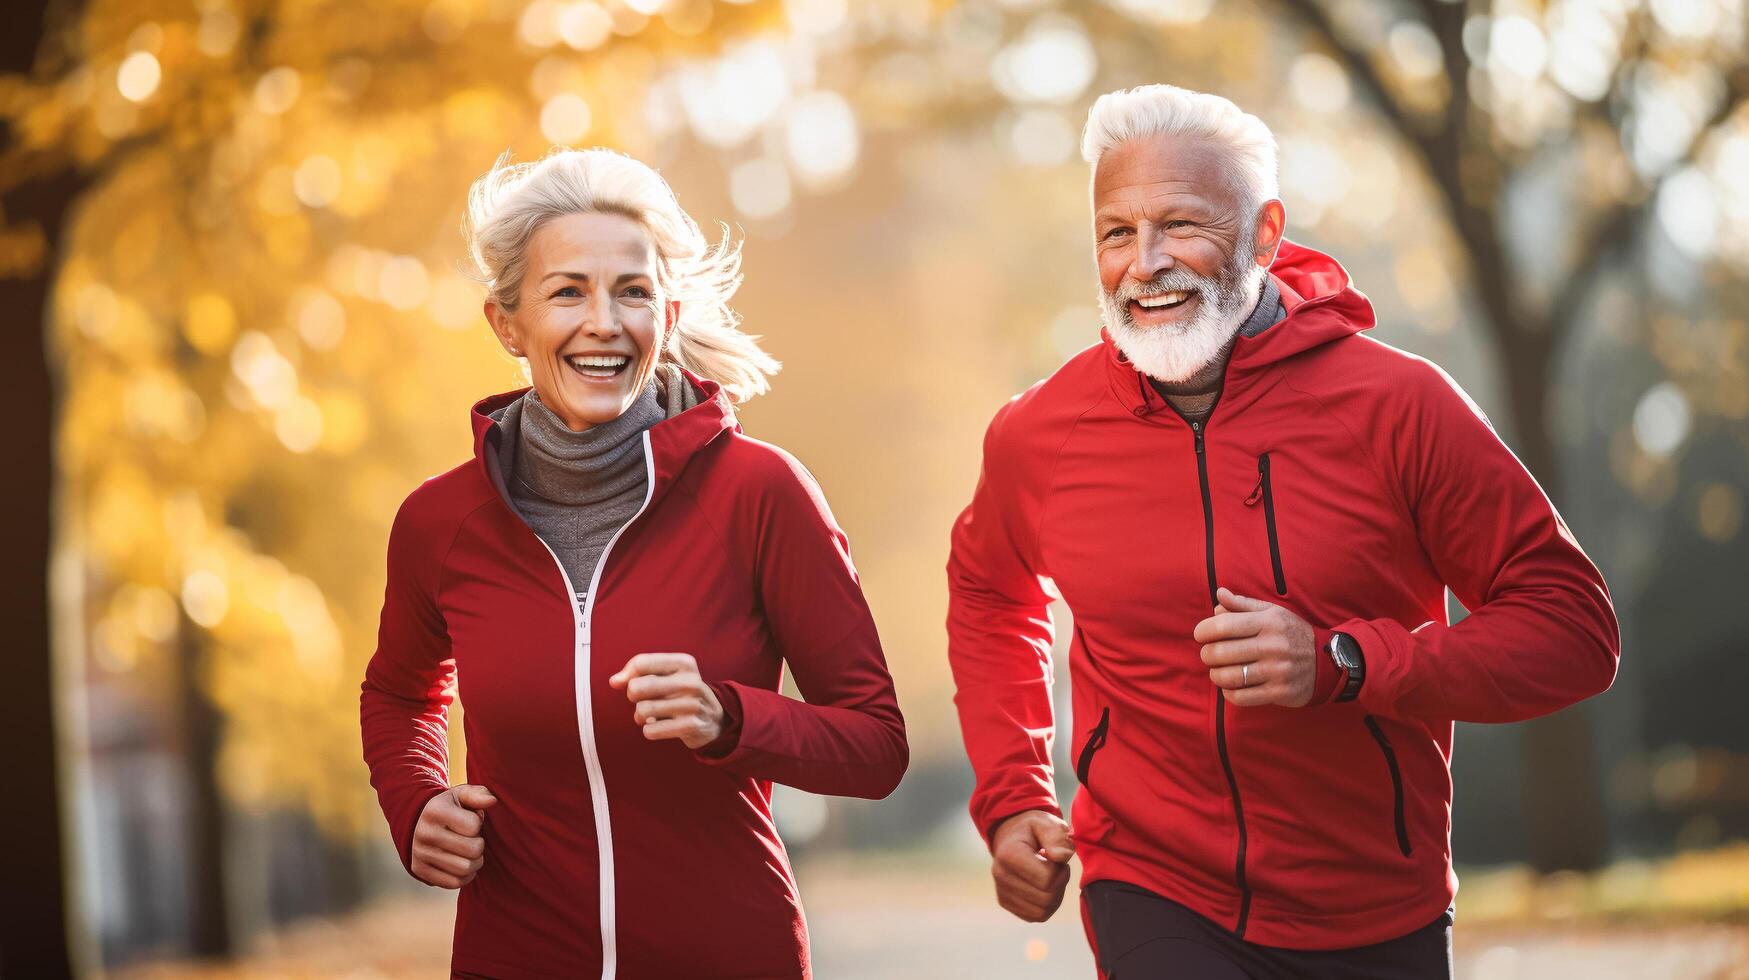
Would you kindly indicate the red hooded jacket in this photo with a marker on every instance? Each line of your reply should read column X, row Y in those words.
column 607, row 854
column 1341, row 478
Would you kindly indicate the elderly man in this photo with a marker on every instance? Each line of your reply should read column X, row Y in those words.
column 1253, row 511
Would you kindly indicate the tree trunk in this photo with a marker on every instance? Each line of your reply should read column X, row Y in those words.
column 1564, row 819
column 209, row 929
column 34, row 933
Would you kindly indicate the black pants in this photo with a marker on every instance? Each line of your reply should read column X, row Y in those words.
column 1142, row 936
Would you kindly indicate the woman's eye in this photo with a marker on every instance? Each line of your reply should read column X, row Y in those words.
column 568, row 291
column 637, row 292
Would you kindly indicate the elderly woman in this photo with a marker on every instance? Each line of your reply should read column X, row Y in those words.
column 615, row 581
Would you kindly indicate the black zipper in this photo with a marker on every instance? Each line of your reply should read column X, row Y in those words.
column 1378, row 735
column 1095, row 742
column 1269, row 524
column 1208, row 528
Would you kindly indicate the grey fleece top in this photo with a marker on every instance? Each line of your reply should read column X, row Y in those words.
column 577, row 489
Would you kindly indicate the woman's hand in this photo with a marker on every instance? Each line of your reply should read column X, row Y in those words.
column 447, row 847
column 671, row 699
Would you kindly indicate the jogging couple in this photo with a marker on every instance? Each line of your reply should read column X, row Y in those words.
column 1252, row 509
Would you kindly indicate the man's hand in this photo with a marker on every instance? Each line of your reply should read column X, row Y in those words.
column 671, row 699
column 1258, row 652
column 448, row 848
column 1030, row 862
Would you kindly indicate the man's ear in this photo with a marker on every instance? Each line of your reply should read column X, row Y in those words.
column 1271, row 222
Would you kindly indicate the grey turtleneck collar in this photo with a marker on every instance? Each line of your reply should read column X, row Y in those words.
column 577, row 489
column 603, row 461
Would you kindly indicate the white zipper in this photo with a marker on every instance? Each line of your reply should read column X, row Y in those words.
column 580, row 619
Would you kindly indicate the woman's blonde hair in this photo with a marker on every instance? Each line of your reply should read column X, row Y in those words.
column 511, row 201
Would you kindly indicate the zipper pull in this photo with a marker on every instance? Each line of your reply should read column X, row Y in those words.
column 1256, row 494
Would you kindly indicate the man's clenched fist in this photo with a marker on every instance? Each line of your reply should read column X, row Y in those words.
column 1030, row 861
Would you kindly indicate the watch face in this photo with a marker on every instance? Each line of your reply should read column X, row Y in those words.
column 1339, row 646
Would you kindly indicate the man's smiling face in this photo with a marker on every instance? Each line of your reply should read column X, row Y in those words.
column 1177, row 251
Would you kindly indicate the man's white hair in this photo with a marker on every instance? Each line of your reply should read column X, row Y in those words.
column 1167, row 110
column 512, row 201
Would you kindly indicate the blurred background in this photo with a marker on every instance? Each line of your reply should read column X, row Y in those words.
column 230, row 260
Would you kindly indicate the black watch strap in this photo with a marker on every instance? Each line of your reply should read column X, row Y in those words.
column 1346, row 653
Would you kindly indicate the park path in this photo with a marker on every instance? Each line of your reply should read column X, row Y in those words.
column 914, row 919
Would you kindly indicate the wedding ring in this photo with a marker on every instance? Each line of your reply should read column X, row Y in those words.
column 1245, row 676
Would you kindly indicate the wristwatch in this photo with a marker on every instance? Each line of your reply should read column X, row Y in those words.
column 1346, row 654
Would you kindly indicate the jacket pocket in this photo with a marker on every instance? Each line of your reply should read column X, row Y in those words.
column 1266, row 492
column 1095, row 742
column 1378, row 735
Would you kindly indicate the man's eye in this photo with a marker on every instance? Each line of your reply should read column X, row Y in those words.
column 637, row 292
column 1178, row 223
column 1115, row 232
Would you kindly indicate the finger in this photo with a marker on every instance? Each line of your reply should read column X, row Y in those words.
column 1238, row 603
column 1223, row 653
column 1250, row 697
column 1058, row 855
column 451, row 842
column 652, row 663
column 451, row 864
column 432, row 876
column 1241, row 677
column 1229, row 626
column 674, row 728
column 1030, row 868
column 1054, row 843
column 1014, row 889
column 461, row 820
column 651, row 686
column 1025, row 911
column 474, row 797
column 652, row 711
column 1032, row 906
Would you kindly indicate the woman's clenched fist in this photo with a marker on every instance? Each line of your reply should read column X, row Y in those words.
column 669, row 698
column 448, row 843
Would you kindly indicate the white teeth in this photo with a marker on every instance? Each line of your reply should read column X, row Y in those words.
column 598, row 360
column 1164, row 299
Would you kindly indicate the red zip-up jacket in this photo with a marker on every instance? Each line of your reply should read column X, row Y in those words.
column 607, row 854
column 1339, row 477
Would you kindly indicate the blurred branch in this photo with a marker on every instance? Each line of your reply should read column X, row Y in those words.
column 1442, row 152
column 1620, row 225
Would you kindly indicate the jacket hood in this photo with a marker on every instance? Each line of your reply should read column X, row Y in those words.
column 1322, row 306
column 673, row 441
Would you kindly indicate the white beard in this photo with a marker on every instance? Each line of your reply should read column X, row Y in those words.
column 1177, row 353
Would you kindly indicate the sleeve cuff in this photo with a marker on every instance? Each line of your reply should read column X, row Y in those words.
column 1328, row 677
column 730, row 739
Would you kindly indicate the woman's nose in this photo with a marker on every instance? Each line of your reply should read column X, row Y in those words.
column 598, row 318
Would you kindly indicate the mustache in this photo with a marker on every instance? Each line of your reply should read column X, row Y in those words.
column 1171, row 280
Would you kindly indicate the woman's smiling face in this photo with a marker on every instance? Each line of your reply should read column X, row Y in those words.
column 589, row 318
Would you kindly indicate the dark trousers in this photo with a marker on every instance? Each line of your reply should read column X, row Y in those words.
column 1141, row 936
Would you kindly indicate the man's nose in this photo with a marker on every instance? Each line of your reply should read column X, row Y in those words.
column 1152, row 254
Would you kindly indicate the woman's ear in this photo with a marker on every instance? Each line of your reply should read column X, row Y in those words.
column 501, row 328
column 670, row 323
